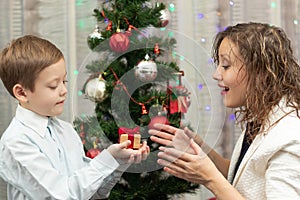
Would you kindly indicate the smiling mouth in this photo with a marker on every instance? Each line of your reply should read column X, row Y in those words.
column 226, row 89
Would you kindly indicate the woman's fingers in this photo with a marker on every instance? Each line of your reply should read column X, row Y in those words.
column 166, row 128
column 172, row 164
column 162, row 137
column 172, row 155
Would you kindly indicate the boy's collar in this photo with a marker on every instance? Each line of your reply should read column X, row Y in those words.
column 32, row 120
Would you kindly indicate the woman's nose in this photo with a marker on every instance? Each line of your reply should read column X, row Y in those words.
column 217, row 75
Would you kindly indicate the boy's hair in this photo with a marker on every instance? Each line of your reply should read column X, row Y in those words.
column 24, row 58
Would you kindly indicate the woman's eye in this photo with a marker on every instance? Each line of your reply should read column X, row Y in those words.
column 225, row 66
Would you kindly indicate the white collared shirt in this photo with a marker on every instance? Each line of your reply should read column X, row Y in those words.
column 34, row 169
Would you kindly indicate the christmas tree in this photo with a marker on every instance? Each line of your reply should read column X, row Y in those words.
column 134, row 83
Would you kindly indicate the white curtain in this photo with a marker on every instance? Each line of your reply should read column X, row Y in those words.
column 66, row 23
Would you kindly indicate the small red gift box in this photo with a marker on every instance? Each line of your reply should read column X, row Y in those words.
column 130, row 134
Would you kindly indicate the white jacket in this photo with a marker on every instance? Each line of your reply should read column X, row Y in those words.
column 271, row 167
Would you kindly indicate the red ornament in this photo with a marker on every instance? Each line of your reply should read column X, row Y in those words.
column 92, row 153
column 119, row 42
column 158, row 119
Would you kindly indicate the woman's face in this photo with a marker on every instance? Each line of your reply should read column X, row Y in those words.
column 231, row 75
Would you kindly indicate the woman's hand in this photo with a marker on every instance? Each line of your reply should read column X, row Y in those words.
column 173, row 137
column 196, row 167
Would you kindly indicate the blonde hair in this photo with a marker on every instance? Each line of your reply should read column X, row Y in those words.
column 23, row 59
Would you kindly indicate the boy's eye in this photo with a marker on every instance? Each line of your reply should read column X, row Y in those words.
column 52, row 87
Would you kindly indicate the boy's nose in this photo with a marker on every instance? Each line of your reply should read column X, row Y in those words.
column 64, row 90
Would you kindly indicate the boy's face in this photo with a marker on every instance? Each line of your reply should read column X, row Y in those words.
column 49, row 91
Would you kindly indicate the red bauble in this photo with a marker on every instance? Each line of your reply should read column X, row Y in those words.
column 92, row 153
column 158, row 119
column 119, row 42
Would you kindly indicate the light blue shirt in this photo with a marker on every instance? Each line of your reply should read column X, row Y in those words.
column 39, row 165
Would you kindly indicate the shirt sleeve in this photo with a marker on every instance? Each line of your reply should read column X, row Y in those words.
column 110, row 182
column 27, row 169
column 283, row 174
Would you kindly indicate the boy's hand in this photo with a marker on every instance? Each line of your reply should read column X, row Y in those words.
column 124, row 155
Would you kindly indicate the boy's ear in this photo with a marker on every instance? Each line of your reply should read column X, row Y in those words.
column 20, row 93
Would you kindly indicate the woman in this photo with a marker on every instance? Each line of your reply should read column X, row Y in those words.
column 259, row 76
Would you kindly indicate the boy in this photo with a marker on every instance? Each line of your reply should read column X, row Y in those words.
column 41, row 157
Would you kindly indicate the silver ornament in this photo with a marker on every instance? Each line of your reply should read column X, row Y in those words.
column 95, row 89
column 146, row 70
column 165, row 17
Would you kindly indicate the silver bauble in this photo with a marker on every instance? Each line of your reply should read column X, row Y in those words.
column 95, row 89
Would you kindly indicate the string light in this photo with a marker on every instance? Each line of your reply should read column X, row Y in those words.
column 174, row 54
column 79, row 93
column 210, row 60
column 79, row 2
column 207, row 108
column 171, row 34
column 200, row 86
column 295, row 21
column 232, row 117
column 172, row 7
column 231, row 3
column 273, row 5
column 81, row 23
column 200, row 16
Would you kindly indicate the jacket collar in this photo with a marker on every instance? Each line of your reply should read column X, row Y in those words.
column 277, row 113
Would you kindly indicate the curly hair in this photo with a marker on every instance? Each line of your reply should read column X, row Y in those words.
column 271, row 68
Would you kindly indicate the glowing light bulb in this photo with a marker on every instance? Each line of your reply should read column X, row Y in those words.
column 273, row 5
column 200, row 86
column 172, row 7
column 200, row 16
column 295, row 21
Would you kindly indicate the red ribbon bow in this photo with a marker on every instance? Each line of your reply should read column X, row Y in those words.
column 124, row 130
